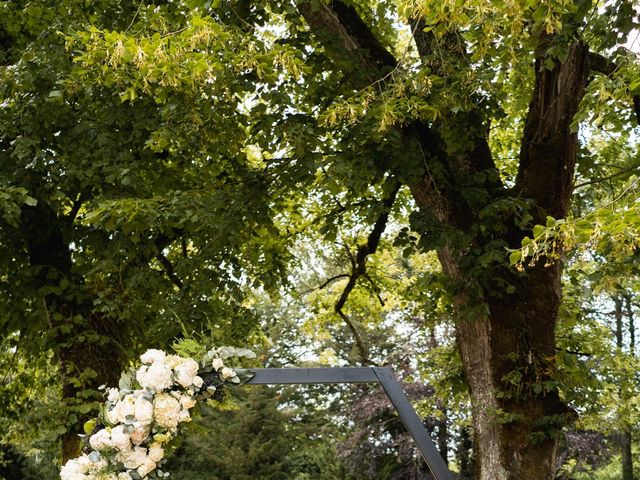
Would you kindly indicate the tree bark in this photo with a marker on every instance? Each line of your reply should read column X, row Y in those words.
column 87, row 345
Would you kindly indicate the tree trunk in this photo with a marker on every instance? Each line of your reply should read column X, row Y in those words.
column 624, row 438
column 86, row 344
column 465, row 455
column 506, row 339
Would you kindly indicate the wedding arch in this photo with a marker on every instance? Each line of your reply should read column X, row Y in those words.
column 144, row 413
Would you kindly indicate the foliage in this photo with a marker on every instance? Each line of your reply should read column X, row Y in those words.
column 214, row 170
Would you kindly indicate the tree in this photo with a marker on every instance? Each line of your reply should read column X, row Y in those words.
column 345, row 113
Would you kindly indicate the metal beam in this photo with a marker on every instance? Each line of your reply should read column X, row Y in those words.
column 381, row 375
column 413, row 423
column 289, row 376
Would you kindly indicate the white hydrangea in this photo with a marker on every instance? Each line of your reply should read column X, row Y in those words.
column 156, row 377
column 166, row 410
column 133, row 458
column 81, row 467
column 74, row 469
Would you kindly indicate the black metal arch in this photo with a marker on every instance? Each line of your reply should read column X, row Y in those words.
column 381, row 375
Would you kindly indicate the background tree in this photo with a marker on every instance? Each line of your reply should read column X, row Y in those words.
column 158, row 160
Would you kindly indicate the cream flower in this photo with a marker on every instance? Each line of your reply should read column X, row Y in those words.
column 143, row 410
column 166, row 410
column 113, row 395
column 184, row 416
column 140, row 433
column 217, row 363
column 152, row 356
column 156, row 452
column 146, row 467
column 187, row 402
column 101, row 440
column 120, row 440
column 186, row 372
column 198, row 382
column 156, row 377
column 227, row 372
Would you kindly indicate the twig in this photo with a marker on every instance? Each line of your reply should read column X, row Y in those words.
column 135, row 16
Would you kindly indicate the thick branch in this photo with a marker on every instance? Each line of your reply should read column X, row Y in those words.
column 436, row 52
column 348, row 41
column 549, row 146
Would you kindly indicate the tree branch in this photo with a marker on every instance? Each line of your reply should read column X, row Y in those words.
column 359, row 267
column 169, row 270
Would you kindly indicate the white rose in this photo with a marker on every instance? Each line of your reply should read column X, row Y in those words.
column 152, row 356
column 156, row 452
column 120, row 440
column 187, row 402
column 227, row 372
column 186, row 372
column 146, row 467
column 184, row 416
column 140, row 433
column 217, row 363
column 226, row 352
column 101, row 440
column 133, row 458
column 143, row 410
column 244, row 352
column 72, row 470
column 121, row 410
column 166, row 410
column 114, row 395
column 172, row 361
column 198, row 382
column 156, row 377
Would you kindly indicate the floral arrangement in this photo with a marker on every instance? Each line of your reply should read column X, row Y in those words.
column 139, row 419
